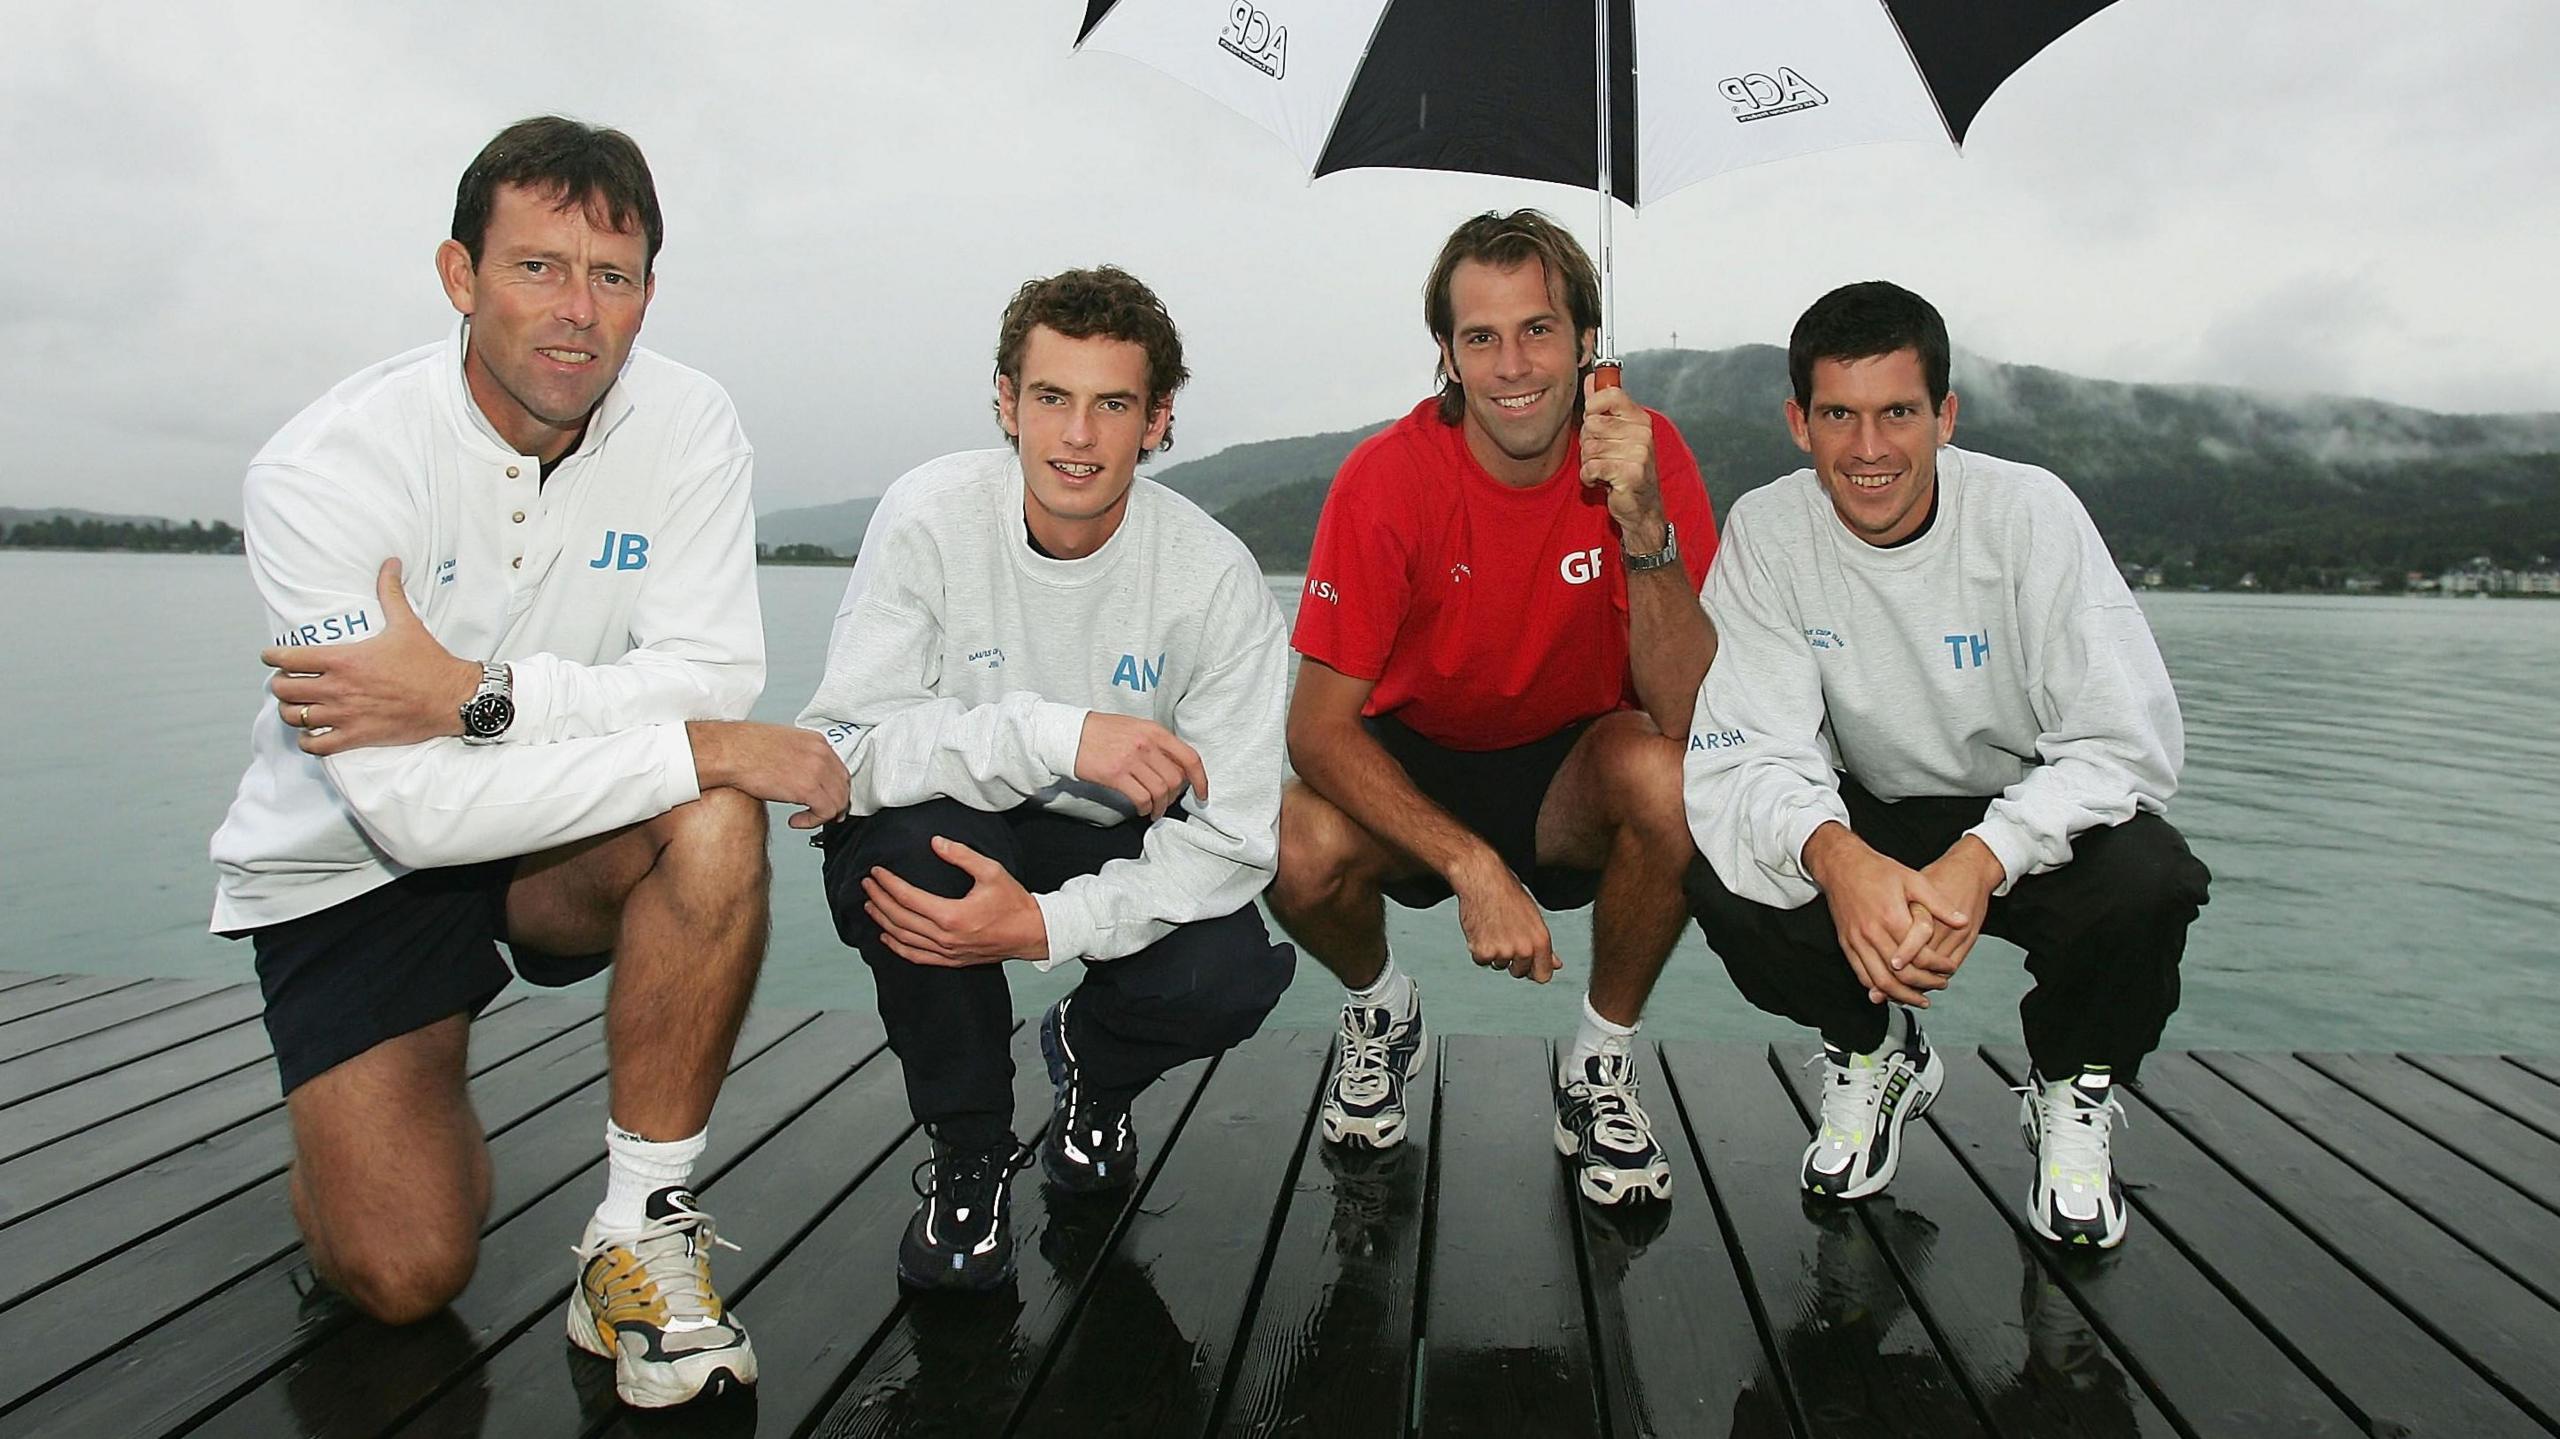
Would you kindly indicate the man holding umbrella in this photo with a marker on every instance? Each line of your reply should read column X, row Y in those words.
column 1501, row 642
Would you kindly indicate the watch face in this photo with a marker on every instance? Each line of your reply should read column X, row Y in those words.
column 487, row 716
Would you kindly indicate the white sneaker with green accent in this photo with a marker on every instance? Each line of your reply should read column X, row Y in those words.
column 1866, row 1099
column 2069, row 1123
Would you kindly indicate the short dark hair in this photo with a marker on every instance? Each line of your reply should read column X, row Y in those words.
column 1862, row 321
column 1108, row 302
column 574, row 163
column 1503, row 241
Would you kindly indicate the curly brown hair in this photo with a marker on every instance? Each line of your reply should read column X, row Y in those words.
column 1503, row 241
column 1106, row 301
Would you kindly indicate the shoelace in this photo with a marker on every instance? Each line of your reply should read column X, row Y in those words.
column 968, row 1166
column 667, row 1248
column 1363, row 1076
column 1849, row 1100
column 1611, row 1102
column 2076, row 1128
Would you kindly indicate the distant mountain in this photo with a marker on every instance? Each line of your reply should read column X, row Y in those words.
column 2208, row 482
column 838, row 526
column 9, row 517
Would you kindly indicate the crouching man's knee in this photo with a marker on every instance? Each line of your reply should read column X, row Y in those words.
column 1319, row 851
column 408, row 1281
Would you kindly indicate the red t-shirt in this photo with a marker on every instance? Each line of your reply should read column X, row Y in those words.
column 1489, row 616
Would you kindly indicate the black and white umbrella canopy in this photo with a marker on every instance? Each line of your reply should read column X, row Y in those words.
column 1508, row 87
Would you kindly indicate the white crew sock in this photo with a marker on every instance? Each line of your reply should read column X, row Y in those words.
column 1390, row 991
column 1596, row 1035
column 636, row 1168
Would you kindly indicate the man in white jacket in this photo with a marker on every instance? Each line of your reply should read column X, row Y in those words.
column 511, row 581
column 1058, row 688
column 1937, row 713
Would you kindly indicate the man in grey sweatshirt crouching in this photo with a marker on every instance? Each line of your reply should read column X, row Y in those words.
column 1059, row 691
column 1937, row 713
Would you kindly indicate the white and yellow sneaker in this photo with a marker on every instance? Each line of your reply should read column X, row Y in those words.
column 644, row 1300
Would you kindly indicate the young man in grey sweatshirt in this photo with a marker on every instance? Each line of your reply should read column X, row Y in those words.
column 1936, row 712
column 1058, row 689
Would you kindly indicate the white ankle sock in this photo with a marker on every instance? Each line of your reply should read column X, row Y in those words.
column 1391, row 990
column 1596, row 1034
column 636, row 1168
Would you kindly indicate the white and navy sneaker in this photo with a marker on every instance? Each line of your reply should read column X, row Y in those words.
column 1090, row 1146
column 1604, row 1131
column 644, row 1300
column 2077, row 1199
column 1866, row 1099
column 962, row 1234
column 1377, row 1054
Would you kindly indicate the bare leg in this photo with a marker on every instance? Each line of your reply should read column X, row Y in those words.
column 683, row 902
column 390, row 1178
column 1326, row 894
column 1616, row 807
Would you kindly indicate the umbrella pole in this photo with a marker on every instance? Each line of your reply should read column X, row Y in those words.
column 1605, row 363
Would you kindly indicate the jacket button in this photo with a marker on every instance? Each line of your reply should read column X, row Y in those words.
column 513, row 471
column 517, row 563
column 519, row 517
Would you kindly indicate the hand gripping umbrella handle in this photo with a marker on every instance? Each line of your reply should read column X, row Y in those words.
column 1605, row 374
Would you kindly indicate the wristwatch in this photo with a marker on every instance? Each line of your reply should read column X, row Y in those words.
column 492, row 707
column 1670, row 551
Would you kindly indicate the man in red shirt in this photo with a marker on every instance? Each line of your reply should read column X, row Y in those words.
column 1502, row 639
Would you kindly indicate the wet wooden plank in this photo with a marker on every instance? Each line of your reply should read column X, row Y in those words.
column 2540, row 1066
column 139, row 1205
column 1681, row 1350
column 962, row 1363
column 2515, row 1153
column 103, row 1011
column 2521, row 1239
column 367, row 1377
column 1857, row 1360
column 1160, row 1322
column 202, row 1356
column 1329, row 1353
column 2195, row 1349
column 2027, row 1355
column 53, row 992
column 2508, row 1088
column 763, row 1205
column 2487, row 1319
column 226, row 1019
column 1506, row 1347
column 11, row 979
column 2385, row 1367
column 93, row 1101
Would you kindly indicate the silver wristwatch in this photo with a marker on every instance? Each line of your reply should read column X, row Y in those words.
column 492, row 707
column 1670, row 552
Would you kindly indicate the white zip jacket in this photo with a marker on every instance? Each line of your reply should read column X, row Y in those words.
column 622, row 591
column 964, row 662
column 1998, row 654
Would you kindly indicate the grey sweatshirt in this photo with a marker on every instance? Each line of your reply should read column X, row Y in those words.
column 963, row 664
column 1998, row 654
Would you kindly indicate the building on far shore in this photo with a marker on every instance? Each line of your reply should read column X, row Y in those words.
column 2484, row 577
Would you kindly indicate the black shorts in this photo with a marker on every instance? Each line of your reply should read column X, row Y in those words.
column 392, row 961
column 1496, row 793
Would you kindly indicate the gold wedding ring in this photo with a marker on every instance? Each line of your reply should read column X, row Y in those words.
column 303, row 721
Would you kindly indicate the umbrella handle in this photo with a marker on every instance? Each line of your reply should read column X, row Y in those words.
column 1605, row 374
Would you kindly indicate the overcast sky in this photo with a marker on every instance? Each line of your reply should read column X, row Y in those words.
column 213, row 211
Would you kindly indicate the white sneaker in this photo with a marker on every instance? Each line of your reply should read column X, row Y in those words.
column 1607, row 1135
column 1866, row 1099
column 1377, row 1054
column 645, row 1301
column 2077, row 1199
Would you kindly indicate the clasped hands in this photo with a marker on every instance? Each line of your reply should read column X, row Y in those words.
column 1904, row 931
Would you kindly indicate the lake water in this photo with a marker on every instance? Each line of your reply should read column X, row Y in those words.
column 2373, row 782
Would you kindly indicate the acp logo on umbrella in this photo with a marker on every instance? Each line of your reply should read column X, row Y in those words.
column 1250, row 36
column 1766, row 97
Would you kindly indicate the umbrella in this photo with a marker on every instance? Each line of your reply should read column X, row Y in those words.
column 1508, row 87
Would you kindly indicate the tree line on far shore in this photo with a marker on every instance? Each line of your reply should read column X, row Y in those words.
column 61, row 532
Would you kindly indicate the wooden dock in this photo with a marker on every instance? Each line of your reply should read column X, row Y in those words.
column 2324, row 1245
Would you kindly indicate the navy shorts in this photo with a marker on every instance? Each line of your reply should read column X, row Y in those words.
column 392, row 961
column 1497, row 793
